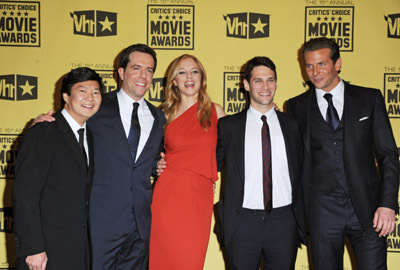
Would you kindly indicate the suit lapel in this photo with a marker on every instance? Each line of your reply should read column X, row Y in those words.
column 303, row 116
column 70, row 139
column 238, row 137
column 351, row 110
column 112, row 108
column 287, row 136
column 152, row 132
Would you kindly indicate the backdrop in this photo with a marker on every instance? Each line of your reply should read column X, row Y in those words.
column 42, row 40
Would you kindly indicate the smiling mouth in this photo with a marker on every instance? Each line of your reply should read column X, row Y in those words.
column 87, row 106
column 140, row 84
column 189, row 84
column 265, row 94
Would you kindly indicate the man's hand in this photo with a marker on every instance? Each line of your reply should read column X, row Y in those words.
column 161, row 164
column 384, row 221
column 37, row 261
column 44, row 118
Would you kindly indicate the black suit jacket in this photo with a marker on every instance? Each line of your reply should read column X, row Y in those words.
column 120, row 184
column 367, row 135
column 50, row 196
column 230, row 154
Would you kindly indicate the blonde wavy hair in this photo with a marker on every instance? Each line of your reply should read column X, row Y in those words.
column 173, row 95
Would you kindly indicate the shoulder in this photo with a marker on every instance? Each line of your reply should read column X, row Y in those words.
column 287, row 119
column 220, row 111
column 301, row 96
column 362, row 89
column 233, row 118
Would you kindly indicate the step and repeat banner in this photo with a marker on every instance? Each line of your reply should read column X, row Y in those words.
column 40, row 41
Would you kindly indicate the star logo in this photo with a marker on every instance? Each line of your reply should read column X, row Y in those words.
column 259, row 26
column 27, row 88
column 106, row 24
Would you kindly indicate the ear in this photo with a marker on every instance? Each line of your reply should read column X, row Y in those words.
column 121, row 72
column 338, row 64
column 246, row 85
column 65, row 98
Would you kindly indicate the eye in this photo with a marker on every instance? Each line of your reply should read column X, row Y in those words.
column 271, row 80
column 195, row 71
column 308, row 66
column 181, row 72
column 96, row 92
column 149, row 70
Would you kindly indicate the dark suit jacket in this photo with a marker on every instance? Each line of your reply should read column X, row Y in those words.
column 119, row 183
column 230, row 154
column 367, row 135
column 50, row 195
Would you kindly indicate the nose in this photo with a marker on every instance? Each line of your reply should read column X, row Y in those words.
column 89, row 95
column 143, row 73
column 315, row 70
column 189, row 75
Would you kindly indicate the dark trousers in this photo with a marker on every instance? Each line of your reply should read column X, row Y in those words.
column 121, row 253
column 331, row 220
column 274, row 237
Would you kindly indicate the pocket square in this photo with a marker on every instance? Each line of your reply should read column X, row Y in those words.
column 364, row 118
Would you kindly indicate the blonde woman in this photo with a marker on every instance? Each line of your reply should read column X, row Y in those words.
column 183, row 194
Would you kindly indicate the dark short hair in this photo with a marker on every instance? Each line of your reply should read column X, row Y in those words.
column 258, row 61
column 124, row 57
column 322, row 43
column 81, row 74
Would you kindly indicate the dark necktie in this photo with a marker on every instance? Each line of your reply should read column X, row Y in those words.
column 81, row 132
column 134, row 132
column 332, row 117
column 267, row 165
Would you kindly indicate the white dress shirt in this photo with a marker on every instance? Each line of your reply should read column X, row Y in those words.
column 75, row 127
column 337, row 99
column 253, row 184
column 146, row 119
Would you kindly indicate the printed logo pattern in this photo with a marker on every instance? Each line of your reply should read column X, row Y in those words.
column 392, row 94
column 247, row 25
column 94, row 23
column 18, row 87
column 393, row 23
column 332, row 22
column 20, row 23
column 234, row 94
column 170, row 27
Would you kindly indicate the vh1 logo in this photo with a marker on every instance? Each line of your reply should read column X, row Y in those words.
column 94, row 23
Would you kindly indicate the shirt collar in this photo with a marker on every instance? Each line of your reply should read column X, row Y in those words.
column 337, row 92
column 270, row 114
column 71, row 121
column 127, row 100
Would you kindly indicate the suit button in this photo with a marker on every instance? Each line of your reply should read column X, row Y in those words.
column 335, row 143
column 84, row 226
column 87, row 203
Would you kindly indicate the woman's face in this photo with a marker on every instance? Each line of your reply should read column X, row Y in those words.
column 188, row 78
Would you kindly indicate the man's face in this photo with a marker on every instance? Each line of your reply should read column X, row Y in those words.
column 138, row 74
column 261, row 88
column 84, row 100
column 321, row 70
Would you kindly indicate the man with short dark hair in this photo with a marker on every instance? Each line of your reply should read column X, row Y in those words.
column 54, row 170
column 127, row 139
column 345, row 130
column 261, row 213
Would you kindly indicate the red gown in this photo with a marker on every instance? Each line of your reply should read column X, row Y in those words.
column 183, row 195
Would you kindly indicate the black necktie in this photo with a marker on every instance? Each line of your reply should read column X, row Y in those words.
column 134, row 132
column 332, row 117
column 81, row 132
column 267, row 165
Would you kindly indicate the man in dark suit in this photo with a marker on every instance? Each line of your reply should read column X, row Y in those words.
column 254, row 225
column 52, row 185
column 127, row 139
column 345, row 130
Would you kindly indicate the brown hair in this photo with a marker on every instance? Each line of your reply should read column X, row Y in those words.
column 173, row 96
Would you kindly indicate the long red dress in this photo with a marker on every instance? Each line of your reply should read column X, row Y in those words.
column 183, row 195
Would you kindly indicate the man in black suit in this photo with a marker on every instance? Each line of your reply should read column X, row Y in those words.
column 127, row 139
column 52, row 185
column 252, row 224
column 346, row 131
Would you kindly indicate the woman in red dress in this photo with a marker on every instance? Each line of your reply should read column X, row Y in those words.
column 183, row 195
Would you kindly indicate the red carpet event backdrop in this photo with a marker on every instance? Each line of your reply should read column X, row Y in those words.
column 40, row 41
